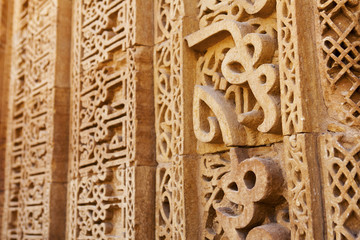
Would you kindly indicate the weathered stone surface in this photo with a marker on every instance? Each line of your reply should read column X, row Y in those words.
column 179, row 119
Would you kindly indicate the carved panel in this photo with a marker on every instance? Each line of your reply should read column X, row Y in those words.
column 297, row 157
column 106, row 69
column 341, row 174
column 339, row 31
column 103, row 152
column 237, row 98
column 168, row 77
column 237, row 103
column 291, row 107
column 242, row 195
column 34, row 170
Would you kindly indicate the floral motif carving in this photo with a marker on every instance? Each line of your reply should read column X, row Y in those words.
column 169, row 104
column 299, row 190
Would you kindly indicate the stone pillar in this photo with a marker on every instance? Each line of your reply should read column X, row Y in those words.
column 112, row 166
column 37, row 130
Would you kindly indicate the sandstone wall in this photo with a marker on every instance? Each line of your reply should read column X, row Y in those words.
column 180, row 119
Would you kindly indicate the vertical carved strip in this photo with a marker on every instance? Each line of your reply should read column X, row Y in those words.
column 12, row 167
column 36, row 149
column 176, row 77
column 339, row 33
column 173, row 76
column 298, row 78
column 111, row 145
column 291, row 107
column 340, row 159
column 299, row 90
column 299, row 154
column 170, row 213
column 72, row 211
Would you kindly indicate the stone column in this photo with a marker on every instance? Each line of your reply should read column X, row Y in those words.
column 255, row 119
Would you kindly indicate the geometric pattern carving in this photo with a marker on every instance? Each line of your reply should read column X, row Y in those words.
column 341, row 173
column 30, row 132
column 102, row 180
column 340, row 29
column 259, row 158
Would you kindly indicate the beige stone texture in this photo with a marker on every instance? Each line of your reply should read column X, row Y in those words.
column 301, row 163
column 5, row 49
column 36, row 151
column 112, row 156
column 299, row 74
column 180, row 119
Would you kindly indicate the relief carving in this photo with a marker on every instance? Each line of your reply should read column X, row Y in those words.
column 33, row 139
column 341, row 176
column 241, row 194
column 170, row 120
column 237, row 103
column 339, row 32
column 239, row 85
column 237, row 93
column 104, row 167
column 297, row 157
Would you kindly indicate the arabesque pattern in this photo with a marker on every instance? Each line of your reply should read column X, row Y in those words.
column 290, row 82
column 237, row 105
column 299, row 194
column 170, row 212
column 102, row 167
column 30, row 150
column 237, row 201
column 237, row 85
column 255, row 103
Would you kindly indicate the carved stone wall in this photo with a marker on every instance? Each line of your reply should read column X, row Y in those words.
column 180, row 119
column 111, row 173
column 173, row 75
column 36, row 160
column 237, row 105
